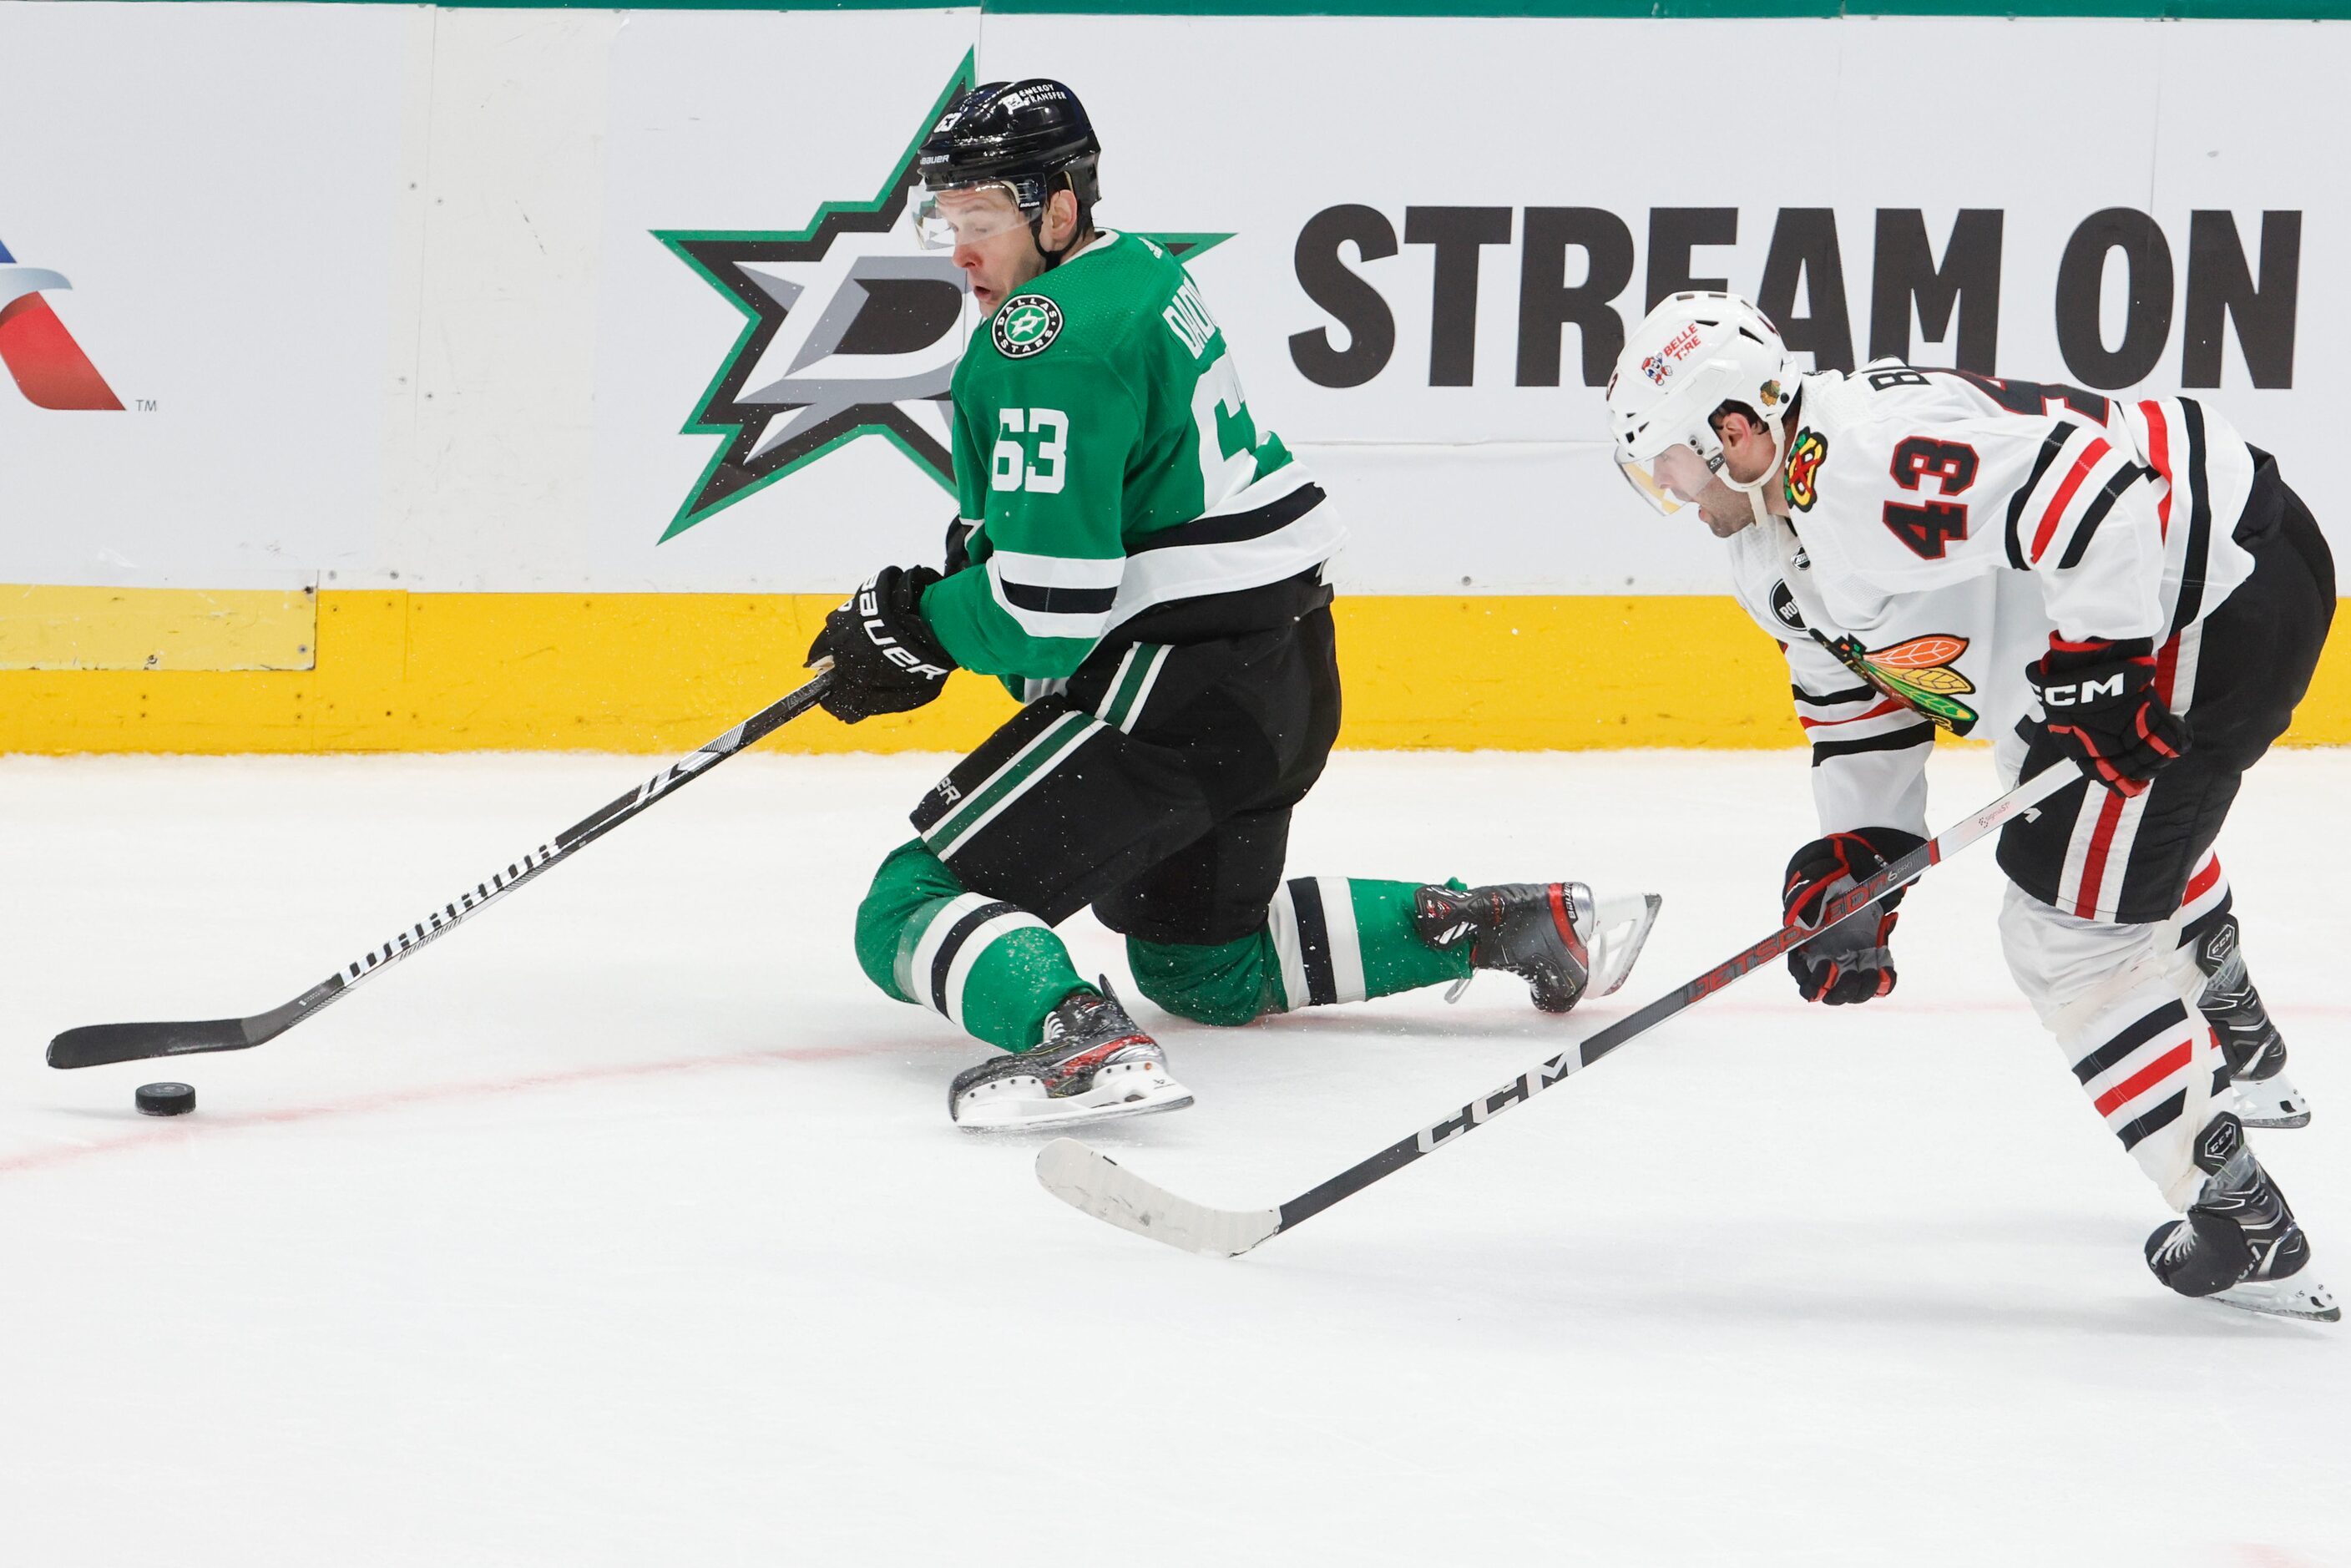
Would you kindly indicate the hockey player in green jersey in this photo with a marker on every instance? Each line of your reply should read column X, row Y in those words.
column 1144, row 566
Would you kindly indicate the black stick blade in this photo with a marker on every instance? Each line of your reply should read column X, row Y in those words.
column 93, row 1045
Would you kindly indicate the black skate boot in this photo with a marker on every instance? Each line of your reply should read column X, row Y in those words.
column 1092, row 1065
column 1553, row 935
column 2256, row 1053
column 2239, row 1244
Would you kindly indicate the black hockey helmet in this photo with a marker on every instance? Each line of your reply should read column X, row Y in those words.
column 1031, row 136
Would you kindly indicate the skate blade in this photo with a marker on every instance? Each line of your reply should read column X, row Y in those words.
column 2296, row 1297
column 1013, row 1113
column 2272, row 1103
column 1619, row 928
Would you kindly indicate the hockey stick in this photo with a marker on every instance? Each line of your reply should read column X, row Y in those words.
column 1101, row 1187
column 93, row 1044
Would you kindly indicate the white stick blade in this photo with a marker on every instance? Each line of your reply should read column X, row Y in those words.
column 1096, row 1185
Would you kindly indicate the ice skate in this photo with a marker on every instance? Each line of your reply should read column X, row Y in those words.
column 1092, row 1065
column 2266, row 1097
column 1555, row 936
column 2239, row 1244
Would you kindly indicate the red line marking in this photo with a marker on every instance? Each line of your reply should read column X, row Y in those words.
column 428, row 1094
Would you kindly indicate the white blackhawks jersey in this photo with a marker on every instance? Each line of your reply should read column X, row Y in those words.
column 1943, row 526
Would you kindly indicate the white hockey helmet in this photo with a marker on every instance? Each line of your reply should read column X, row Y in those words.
column 1695, row 351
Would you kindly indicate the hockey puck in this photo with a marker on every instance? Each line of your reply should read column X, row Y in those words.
column 166, row 1099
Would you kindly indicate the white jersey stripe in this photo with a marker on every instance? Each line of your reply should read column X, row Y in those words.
column 1347, row 946
column 982, row 937
column 1281, row 920
column 917, row 960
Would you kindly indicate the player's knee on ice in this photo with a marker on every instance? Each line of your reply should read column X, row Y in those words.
column 1226, row 984
column 987, row 966
column 911, row 879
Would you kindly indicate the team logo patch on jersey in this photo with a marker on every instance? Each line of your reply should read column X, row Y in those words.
column 1027, row 325
column 1918, row 674
column 1783, row 607
column 1805, row 456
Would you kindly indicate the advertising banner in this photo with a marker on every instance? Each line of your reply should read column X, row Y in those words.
column 535, row 300
column 585, row 342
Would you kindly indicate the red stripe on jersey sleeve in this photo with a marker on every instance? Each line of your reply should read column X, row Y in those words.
column 2158, row 457
column 1888, row 706
column 2050, row 518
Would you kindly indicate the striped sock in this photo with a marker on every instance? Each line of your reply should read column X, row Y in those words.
column 1343, row 939
column 991, row 969
column 2149, row 1065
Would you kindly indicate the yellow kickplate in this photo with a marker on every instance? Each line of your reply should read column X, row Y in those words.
column 45, row 628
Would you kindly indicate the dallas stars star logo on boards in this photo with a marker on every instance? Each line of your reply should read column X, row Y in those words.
column 851, row 329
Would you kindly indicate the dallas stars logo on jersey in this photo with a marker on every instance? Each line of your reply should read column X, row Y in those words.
column 1027, row 325
column 851, row 329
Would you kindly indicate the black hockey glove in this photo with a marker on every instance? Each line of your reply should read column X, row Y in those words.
column 958, row 555
column 884, row 659
column 2104, row 712
column 1851, row 961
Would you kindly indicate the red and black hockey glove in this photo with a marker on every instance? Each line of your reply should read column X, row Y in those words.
column 2103, row 711
column 884, row 658
column 1851, row 961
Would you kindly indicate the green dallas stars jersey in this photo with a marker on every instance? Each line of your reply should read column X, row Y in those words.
column 1103, row 448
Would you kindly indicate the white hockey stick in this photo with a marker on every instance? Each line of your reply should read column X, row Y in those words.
column 1097, row 1185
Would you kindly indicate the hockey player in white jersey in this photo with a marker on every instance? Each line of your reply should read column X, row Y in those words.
column 2126, row 586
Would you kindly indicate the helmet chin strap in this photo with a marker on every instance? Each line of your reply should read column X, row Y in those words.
column 1755, row 488
column 1053, row 258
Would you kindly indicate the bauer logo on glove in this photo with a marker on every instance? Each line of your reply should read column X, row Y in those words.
column 884, row 658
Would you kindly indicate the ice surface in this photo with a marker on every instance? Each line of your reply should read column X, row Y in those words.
column 626, row 1225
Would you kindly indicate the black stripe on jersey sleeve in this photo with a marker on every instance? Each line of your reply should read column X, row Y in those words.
column 1238, row 528
column 2200, row 520
column 2132, row 1037
column 1850, row 695
column 1893, row 740
column 2130, row 474
column 2058, row 437
column 1048, row 600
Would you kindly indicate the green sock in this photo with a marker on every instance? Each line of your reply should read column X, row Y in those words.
column 994, row 970
column 1325, row 939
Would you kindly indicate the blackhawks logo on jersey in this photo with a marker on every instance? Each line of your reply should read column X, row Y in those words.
column 1810, row 450
column 1027, row 325
column 1916, row 673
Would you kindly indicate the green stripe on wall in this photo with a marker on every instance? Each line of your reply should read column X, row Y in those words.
column 2174, row 10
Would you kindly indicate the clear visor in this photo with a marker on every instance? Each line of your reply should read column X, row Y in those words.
column 1676, row 477
column 966, row 215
